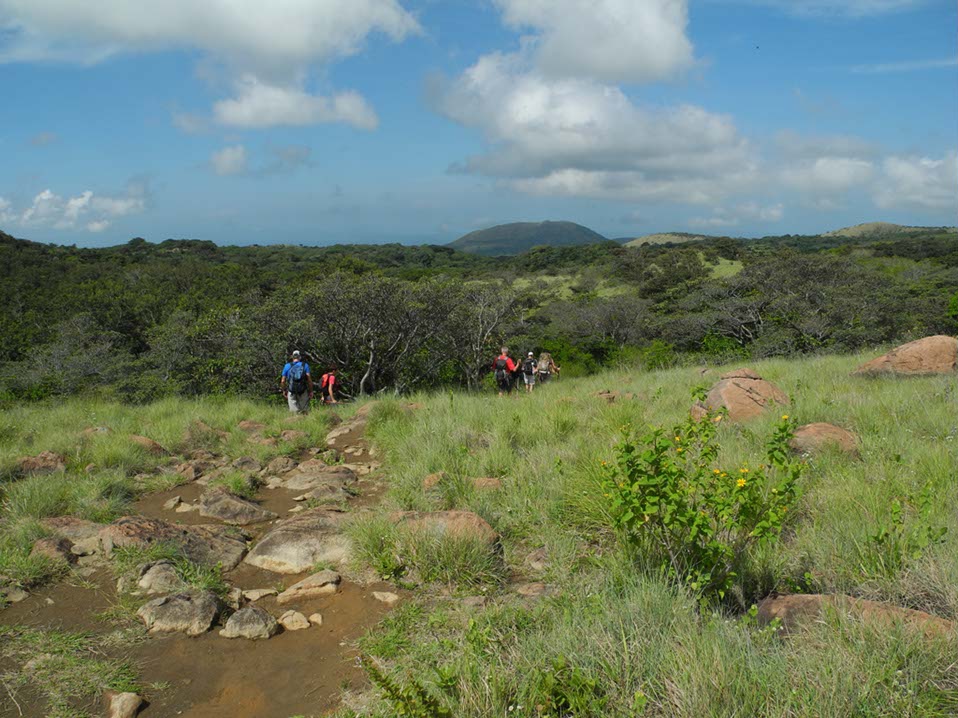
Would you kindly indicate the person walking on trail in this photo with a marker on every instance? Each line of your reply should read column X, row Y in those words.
column 529, row 371
column 547, row 367
column 326, row 387
column 504, row 367
column 297, row 384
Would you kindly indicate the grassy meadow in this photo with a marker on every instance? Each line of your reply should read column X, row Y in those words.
column 613, row 636
column 617, row 639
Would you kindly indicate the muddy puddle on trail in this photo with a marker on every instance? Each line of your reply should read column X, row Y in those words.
column 293, row 673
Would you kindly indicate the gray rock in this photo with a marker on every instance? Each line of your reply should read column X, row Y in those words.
column 316, row 619
column 206, row 544
column 189, row 613
column 279, row 465
column 185, row 508
column 306, row 478
column 252, row 623
column 255, row 594
column 173, row 503
column 386, row 597
column 323, row 583
column 297, row 544
column 159, row 577
column 123, row 705
column 247, row 463
column 12, row 594
column 218, row 503
column 293, row 621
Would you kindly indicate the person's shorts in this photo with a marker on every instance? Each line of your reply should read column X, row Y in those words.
column 544, row 376
column 529, row 379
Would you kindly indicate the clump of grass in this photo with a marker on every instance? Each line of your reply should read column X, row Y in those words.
column 397, row 552
column 239, row 483
column 69, row 671
column 128, row 559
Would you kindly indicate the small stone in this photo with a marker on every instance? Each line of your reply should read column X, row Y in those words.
column 296, row 509
column 49, row 601
column 173, row 503
column 319, row 584
column 159, row 577
column 293, row 621
column 535, row 590
column 185, row 508
column 386, row 597
column 122, row 705
column 14, row 594
column 316, row 619
column 255, row 594
column 274, row 482
column 234, row 598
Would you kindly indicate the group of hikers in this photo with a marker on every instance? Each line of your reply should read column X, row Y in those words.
column 297, row 381
column 529, row 371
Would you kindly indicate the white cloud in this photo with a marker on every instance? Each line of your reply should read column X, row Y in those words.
column 838, row 8
column 579, row 137
column 271, row 46
column 910, row 66
column 230, row 161
column 270, row 38
column 828, row 175
column 262, row 105
column 605, row 40
column 919, row 183
column 86, row 209
column 747, row 211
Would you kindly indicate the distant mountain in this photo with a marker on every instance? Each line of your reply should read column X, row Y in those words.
column 519, row 237
column 665, row 238
column 880, row 229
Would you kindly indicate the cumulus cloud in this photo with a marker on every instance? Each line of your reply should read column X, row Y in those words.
column 271, row 46
column 921, row 183
column 259, row 104
column 575, row 136
column 87, row 209
column 828, row 175
column 747, row 211
column 606, row 40
column 229, row 161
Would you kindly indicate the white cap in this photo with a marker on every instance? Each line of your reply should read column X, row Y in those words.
column 531, row 354
column 296, row 353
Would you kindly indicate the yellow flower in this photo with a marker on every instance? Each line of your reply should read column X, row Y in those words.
column 743, row 470
column 678, row 438
column 784, row 509
column 784, row 417
column 716, row 471
column 679, row 449
column 740, row 482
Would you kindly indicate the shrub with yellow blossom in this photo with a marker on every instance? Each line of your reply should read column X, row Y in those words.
column 696, row 520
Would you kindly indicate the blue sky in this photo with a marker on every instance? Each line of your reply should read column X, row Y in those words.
column 321, row 121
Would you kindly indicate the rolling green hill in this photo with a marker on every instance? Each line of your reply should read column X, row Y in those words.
column 518, row 237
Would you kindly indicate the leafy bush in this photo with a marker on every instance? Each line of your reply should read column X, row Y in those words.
column 696, row 520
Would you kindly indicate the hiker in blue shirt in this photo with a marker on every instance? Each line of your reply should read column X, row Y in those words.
column 297, row 384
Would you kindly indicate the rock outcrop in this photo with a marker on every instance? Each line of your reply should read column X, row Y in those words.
column 189, row 613
column 797, row 610
column 206, row 544
column 743, row 394
column 297, row 544
column 218, row 503
column 319, row 584
column 931, row 355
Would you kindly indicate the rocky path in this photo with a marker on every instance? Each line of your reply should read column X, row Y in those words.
column 280, row 643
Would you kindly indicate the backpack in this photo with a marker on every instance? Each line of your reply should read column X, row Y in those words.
column 545, row 363
column 529, row 366
column 297, row 378
column 325, row 381
column 501, row 366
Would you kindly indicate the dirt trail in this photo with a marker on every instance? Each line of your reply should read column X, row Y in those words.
column 293, row 673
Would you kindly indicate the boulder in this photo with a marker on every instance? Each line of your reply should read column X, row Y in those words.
column 56, row 549
column 255, row 594
column 192, row 470
column 252, row 623
column 448, row 523
column 280, row 465
column 171, row 503
column 218, row 503
column 46, row 462
column 294, row 621
column 189, row 613
column 743, row 393
column 149, row 445
column 814, row 438
column 313, row 474
column 246, row 463
column 297, row 544
column 122, row 705
column 319, row 584
column 159, row 577
column 316, row 619
column 797, row 610
column 206, row 544
column 72, row 528
column 931, row 355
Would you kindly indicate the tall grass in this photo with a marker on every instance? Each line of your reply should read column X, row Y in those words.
column 619, row 629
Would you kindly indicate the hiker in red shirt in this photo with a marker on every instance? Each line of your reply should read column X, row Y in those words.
column 326, row 386
column 504, row 367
